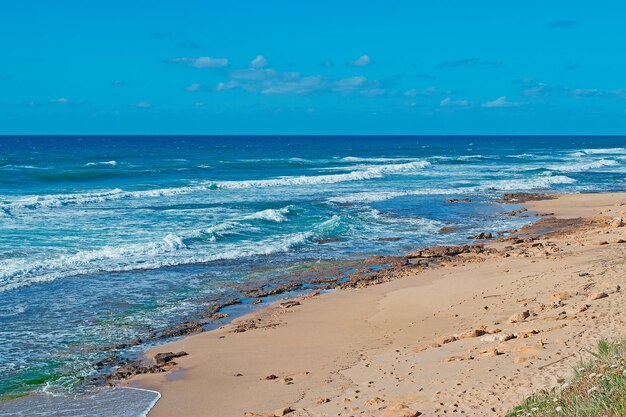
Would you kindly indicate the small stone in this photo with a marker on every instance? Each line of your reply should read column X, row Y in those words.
column 374, row 401
column 400, row 411
column 519, row 317
column 283, row 411
column 473, row 333
column 289, row 304
column 323, row 400
column 598, row 295
column 271, row 377
column 490, row 352
column 559, row 296
column 445, row 340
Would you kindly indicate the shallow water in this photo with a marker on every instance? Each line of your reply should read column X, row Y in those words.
column 103, row 239
column 103, row 402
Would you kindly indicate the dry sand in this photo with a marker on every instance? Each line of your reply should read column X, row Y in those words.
column 438, row 343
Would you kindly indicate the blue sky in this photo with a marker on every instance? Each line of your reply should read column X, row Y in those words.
column 312, row 67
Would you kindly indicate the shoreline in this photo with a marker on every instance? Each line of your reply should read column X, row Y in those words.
column 272, row 333
column 298, row 280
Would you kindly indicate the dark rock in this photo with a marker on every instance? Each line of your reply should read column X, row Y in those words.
column 482, row 235
column 289, row 304
column 178, row 330
column 523, row 197
column 166, row 357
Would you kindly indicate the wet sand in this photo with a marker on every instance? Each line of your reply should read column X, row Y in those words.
column 473, row 335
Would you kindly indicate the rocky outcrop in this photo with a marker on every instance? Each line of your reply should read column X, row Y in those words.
column 167, row 357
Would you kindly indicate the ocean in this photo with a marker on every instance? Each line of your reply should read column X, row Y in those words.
column 104, row 240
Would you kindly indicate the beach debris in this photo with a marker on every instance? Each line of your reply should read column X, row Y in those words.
column 167, row 357
column 400, row 410
column 519, row 317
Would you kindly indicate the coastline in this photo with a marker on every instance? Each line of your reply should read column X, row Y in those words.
column 371, row 350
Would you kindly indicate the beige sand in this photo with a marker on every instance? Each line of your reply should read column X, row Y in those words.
column 388, row 350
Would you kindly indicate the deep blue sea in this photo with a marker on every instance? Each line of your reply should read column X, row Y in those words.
column 104, row 239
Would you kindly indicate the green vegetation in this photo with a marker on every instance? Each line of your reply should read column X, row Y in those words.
column 597, row 389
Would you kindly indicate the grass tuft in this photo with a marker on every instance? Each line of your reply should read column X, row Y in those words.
column 598, row 388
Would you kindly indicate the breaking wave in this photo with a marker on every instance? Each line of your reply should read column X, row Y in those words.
column 584, row 165
column 272, row 215
column 368, row 172
column 105, row 163
column 172, row 250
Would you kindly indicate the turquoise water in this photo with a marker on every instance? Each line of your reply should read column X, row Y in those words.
column 106, row 239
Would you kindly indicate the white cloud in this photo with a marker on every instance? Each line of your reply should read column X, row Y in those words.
column 272, row 82
column 193, row 87
column 349, row 84
column 361, row 61
column 298, row 86
column 500, row 102
column 229, row 85
column 61, row 100
column 142, row 105
column 414, row 92
column 448, row 102
column 201, row 62
column 259, row 62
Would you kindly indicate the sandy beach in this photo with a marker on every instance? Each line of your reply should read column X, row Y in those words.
column 473, row 334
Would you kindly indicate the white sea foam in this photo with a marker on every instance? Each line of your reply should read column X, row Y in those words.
column 171, row 250
column 104, row 163
column 10, row 166
column 544, row 181
column 580, row 166
column 606, row 151
column 358, row 159
column 273, row 215
column 366, row 173
column 374, row 196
